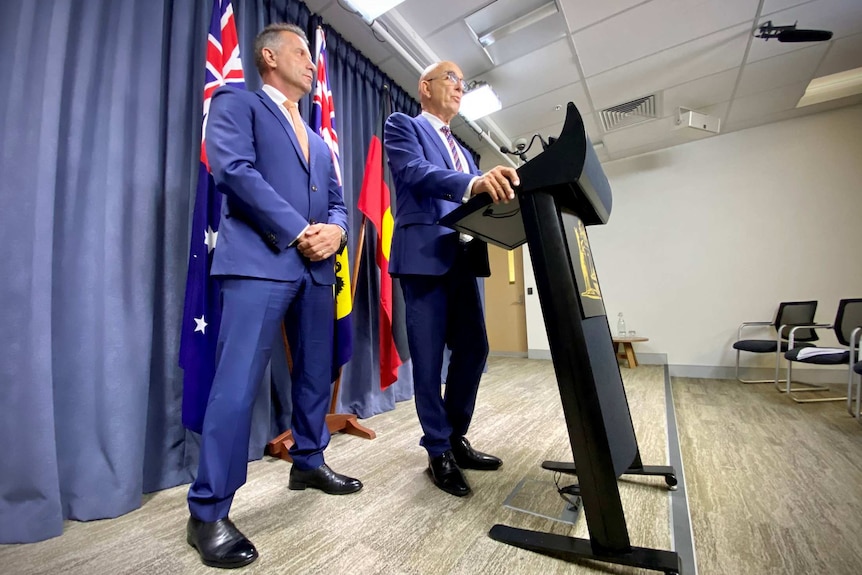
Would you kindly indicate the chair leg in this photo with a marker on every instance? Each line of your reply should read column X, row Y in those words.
column 859, row 400
column 806, row 387
column 789, row 379
column 857, row 381
column 740, row 380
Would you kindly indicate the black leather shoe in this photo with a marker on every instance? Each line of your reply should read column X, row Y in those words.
column 446, row 475
column 468, row 458
column 220, row 543
column 323, row 478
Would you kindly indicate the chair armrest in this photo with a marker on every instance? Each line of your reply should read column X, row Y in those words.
column 790, row 336
column 750, row 324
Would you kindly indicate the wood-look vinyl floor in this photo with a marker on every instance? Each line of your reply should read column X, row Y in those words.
column 761, row 475
column 774, row 487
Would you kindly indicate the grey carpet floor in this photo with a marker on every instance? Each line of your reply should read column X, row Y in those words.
column 773, row 488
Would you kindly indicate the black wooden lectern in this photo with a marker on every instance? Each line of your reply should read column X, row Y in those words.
column 561, row 191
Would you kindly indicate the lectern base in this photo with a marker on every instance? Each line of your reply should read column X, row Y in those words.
column 665, row 470
column 572, row 549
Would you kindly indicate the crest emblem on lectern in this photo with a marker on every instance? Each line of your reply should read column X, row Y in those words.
column 588, row 269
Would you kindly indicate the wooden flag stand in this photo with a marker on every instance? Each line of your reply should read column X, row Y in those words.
column 336, row 422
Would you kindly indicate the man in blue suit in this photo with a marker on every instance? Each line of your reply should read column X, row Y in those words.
column 283, row 218
column 438, row 268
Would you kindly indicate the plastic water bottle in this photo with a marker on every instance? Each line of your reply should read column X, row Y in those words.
column 621, row 325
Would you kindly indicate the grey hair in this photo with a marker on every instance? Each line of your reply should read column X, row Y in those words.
column 270, row 37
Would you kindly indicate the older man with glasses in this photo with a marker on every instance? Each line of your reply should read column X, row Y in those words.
column 438, row 268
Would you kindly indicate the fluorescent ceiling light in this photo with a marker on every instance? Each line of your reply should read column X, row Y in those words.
column 479, row 101
column 496, row 34
column 832, row 87
column 371, row 9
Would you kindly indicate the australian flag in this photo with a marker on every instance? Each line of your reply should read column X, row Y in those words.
column 202, row 311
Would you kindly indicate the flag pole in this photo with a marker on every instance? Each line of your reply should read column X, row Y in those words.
column 356, row 264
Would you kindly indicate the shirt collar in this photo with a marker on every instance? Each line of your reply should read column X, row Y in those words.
column 435, row 122
column 274, row 94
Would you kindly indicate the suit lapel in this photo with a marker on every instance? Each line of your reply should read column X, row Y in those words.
column 435, row 137
column 273, row 107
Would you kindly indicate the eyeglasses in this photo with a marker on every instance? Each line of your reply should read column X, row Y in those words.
column 452, row 78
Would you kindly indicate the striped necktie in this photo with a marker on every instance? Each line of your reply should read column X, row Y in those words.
column 298, row 127
column 453, row 148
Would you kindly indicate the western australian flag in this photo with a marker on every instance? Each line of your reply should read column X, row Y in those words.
column 202, row 311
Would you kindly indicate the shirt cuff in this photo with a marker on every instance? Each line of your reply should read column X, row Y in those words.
column 468, row 192
column 294, row 242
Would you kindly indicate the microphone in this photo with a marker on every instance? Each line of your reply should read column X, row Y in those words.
column 791, row 33
column 520, row 149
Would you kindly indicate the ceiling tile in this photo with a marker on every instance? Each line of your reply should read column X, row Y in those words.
column 797, row 66
column 532, row 114
column 765, row 103
column 583, row 13
column 456, row 44
column 429, row 17
column 844, row 54
column 699, row 58
column 545, row 69
column 639, row 135
column 700, row 93
column 760, row 120
column 528, row 39
column 771, row 6
column 653, row 27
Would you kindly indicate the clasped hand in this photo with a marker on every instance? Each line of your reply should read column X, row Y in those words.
column 319, row 241
column 498, row 183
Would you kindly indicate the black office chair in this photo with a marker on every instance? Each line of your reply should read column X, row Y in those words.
column 847, row 328
column 790, row 313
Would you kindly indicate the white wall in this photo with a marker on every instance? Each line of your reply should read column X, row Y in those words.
column 712, row 233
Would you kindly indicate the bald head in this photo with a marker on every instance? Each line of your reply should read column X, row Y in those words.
column 441, row 89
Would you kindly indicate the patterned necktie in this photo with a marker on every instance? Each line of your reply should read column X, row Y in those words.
column 298, row 127
column 452, row 148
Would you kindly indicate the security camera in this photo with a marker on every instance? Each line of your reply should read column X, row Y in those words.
column 520, row 144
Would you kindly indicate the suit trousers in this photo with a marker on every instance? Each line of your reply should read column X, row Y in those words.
column 252, row 313
column 445, row 311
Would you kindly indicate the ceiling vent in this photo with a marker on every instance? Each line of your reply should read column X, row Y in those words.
column 630, row 113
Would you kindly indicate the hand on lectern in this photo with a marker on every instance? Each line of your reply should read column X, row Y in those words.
column 498, row 183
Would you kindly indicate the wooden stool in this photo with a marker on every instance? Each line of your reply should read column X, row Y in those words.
column 625, row 349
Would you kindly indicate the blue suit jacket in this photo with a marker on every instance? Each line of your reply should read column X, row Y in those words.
column 271, row 192
column 427, row 187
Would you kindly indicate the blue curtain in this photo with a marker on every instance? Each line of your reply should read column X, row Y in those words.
column 99, row 148
column 100, row 122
